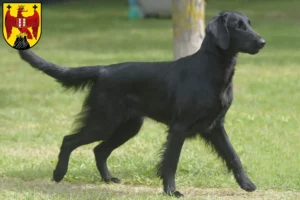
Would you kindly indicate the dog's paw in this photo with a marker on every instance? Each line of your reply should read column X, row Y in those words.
column 58, row 175
column 176, row 194
column 245, row 183
column 113, row 179
column 248, row 186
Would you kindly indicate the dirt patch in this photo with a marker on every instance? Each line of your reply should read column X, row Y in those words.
column 134, row 191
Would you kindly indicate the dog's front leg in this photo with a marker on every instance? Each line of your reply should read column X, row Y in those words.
column 218, row 138
column 167, row 167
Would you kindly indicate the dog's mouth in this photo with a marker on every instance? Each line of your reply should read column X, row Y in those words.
column 254, row 51
column 250, row 51
column 252, row 47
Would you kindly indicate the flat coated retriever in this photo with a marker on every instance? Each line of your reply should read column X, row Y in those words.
column 190, row 95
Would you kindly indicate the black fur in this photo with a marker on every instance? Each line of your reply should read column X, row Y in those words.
column 190, row 95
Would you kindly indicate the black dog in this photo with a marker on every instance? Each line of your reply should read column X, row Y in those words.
column 190, row 95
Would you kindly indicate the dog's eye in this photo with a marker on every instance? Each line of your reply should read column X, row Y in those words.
column 241, row 26
column 249, row 22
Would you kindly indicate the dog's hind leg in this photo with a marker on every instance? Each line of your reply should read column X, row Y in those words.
column 70, row 143
column 86, row 135
column 95, row 125
column 219, row 140
column 123, row 133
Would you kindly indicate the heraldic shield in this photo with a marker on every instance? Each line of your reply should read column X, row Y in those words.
column 22, row 24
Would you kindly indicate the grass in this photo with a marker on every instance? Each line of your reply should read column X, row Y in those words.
column 263, row 123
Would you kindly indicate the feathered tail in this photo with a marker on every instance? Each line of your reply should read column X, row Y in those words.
column 70, row 78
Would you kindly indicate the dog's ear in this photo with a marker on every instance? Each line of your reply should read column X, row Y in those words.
column 218, row 28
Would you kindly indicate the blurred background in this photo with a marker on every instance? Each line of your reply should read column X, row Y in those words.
column 263, row 122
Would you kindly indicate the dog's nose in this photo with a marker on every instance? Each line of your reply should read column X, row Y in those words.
column 262, row 42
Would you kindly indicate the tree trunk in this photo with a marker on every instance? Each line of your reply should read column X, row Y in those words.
column 188, row 26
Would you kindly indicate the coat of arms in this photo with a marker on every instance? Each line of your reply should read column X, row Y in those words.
column 22, row 24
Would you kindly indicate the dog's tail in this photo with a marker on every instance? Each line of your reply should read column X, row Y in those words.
column 70, row 78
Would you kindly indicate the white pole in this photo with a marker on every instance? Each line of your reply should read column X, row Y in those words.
column 188, row 26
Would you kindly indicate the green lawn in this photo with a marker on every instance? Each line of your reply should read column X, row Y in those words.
column 263, row 123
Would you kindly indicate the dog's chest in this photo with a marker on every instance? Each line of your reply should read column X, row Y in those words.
column 226, row 94
column 219, row 108
column 224, row 99
column 222, row 102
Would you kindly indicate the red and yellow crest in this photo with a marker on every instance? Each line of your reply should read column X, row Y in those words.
column 22, row 24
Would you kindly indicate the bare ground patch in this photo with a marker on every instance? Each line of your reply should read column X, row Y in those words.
column 40, row 189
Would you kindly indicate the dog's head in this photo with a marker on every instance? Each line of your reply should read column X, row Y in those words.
column 233, row 30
